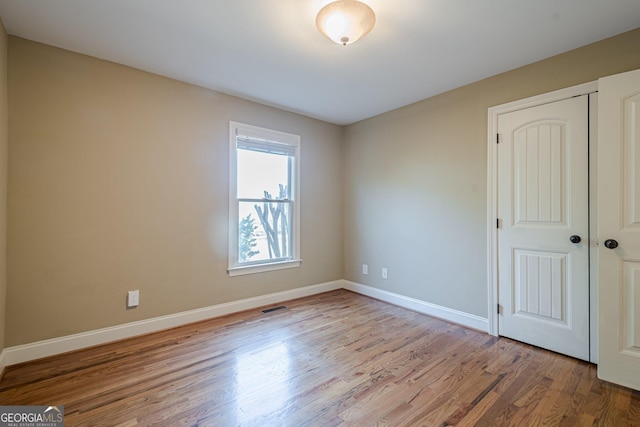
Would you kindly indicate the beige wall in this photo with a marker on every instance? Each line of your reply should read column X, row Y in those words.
column 415, row 179
column 4, row 139
column 118, row 180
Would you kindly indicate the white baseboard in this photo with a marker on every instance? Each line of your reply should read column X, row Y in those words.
column 3, row 363
column 32, row 351
column 50, row 347
column 461, row 318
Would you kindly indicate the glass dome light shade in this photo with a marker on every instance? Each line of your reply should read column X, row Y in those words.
column 345, row 21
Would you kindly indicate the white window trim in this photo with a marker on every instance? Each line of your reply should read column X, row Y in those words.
column 234, row 269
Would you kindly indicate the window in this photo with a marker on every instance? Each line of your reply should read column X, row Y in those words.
column 264, row 209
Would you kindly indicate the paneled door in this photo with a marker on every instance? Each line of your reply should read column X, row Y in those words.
column 619, row 228
column 543, row 226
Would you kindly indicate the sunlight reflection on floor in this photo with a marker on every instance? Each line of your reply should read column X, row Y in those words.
column 262, row 385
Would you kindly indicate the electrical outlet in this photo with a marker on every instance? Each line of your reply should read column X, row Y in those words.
column 133, row 298
column 365, row 269
column 384, row 273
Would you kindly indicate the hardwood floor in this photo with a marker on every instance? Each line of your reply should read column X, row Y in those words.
column 332, row 359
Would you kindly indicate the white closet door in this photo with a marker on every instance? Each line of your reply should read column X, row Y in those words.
column 543, row 205
column 619, row 228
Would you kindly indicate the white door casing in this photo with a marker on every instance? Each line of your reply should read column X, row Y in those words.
column 542, row 201
column 619, row 220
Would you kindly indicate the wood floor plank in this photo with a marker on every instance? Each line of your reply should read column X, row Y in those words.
column 334, row 359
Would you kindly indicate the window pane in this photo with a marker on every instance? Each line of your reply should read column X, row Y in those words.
column 264, row 231
column 262, row 172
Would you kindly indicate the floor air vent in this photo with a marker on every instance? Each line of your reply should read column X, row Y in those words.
column 269, row 310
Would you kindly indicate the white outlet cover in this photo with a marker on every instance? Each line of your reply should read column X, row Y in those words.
column 133, row 298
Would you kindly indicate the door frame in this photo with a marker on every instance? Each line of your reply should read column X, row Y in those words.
column 492, row 202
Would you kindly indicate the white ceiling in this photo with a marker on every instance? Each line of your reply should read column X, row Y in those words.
column 269, row 51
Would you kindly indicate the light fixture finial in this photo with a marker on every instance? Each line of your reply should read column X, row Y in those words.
column 345, row 21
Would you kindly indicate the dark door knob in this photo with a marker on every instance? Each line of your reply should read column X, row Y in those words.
column 611, row 244
column 575, row 239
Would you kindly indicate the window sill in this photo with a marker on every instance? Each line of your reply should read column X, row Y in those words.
column 261, row 268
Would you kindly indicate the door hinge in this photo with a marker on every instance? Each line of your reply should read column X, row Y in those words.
column 497, row 138
column 499, row 309
column 498, row 223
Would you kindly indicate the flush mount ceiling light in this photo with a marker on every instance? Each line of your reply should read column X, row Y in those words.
column 345, row 21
